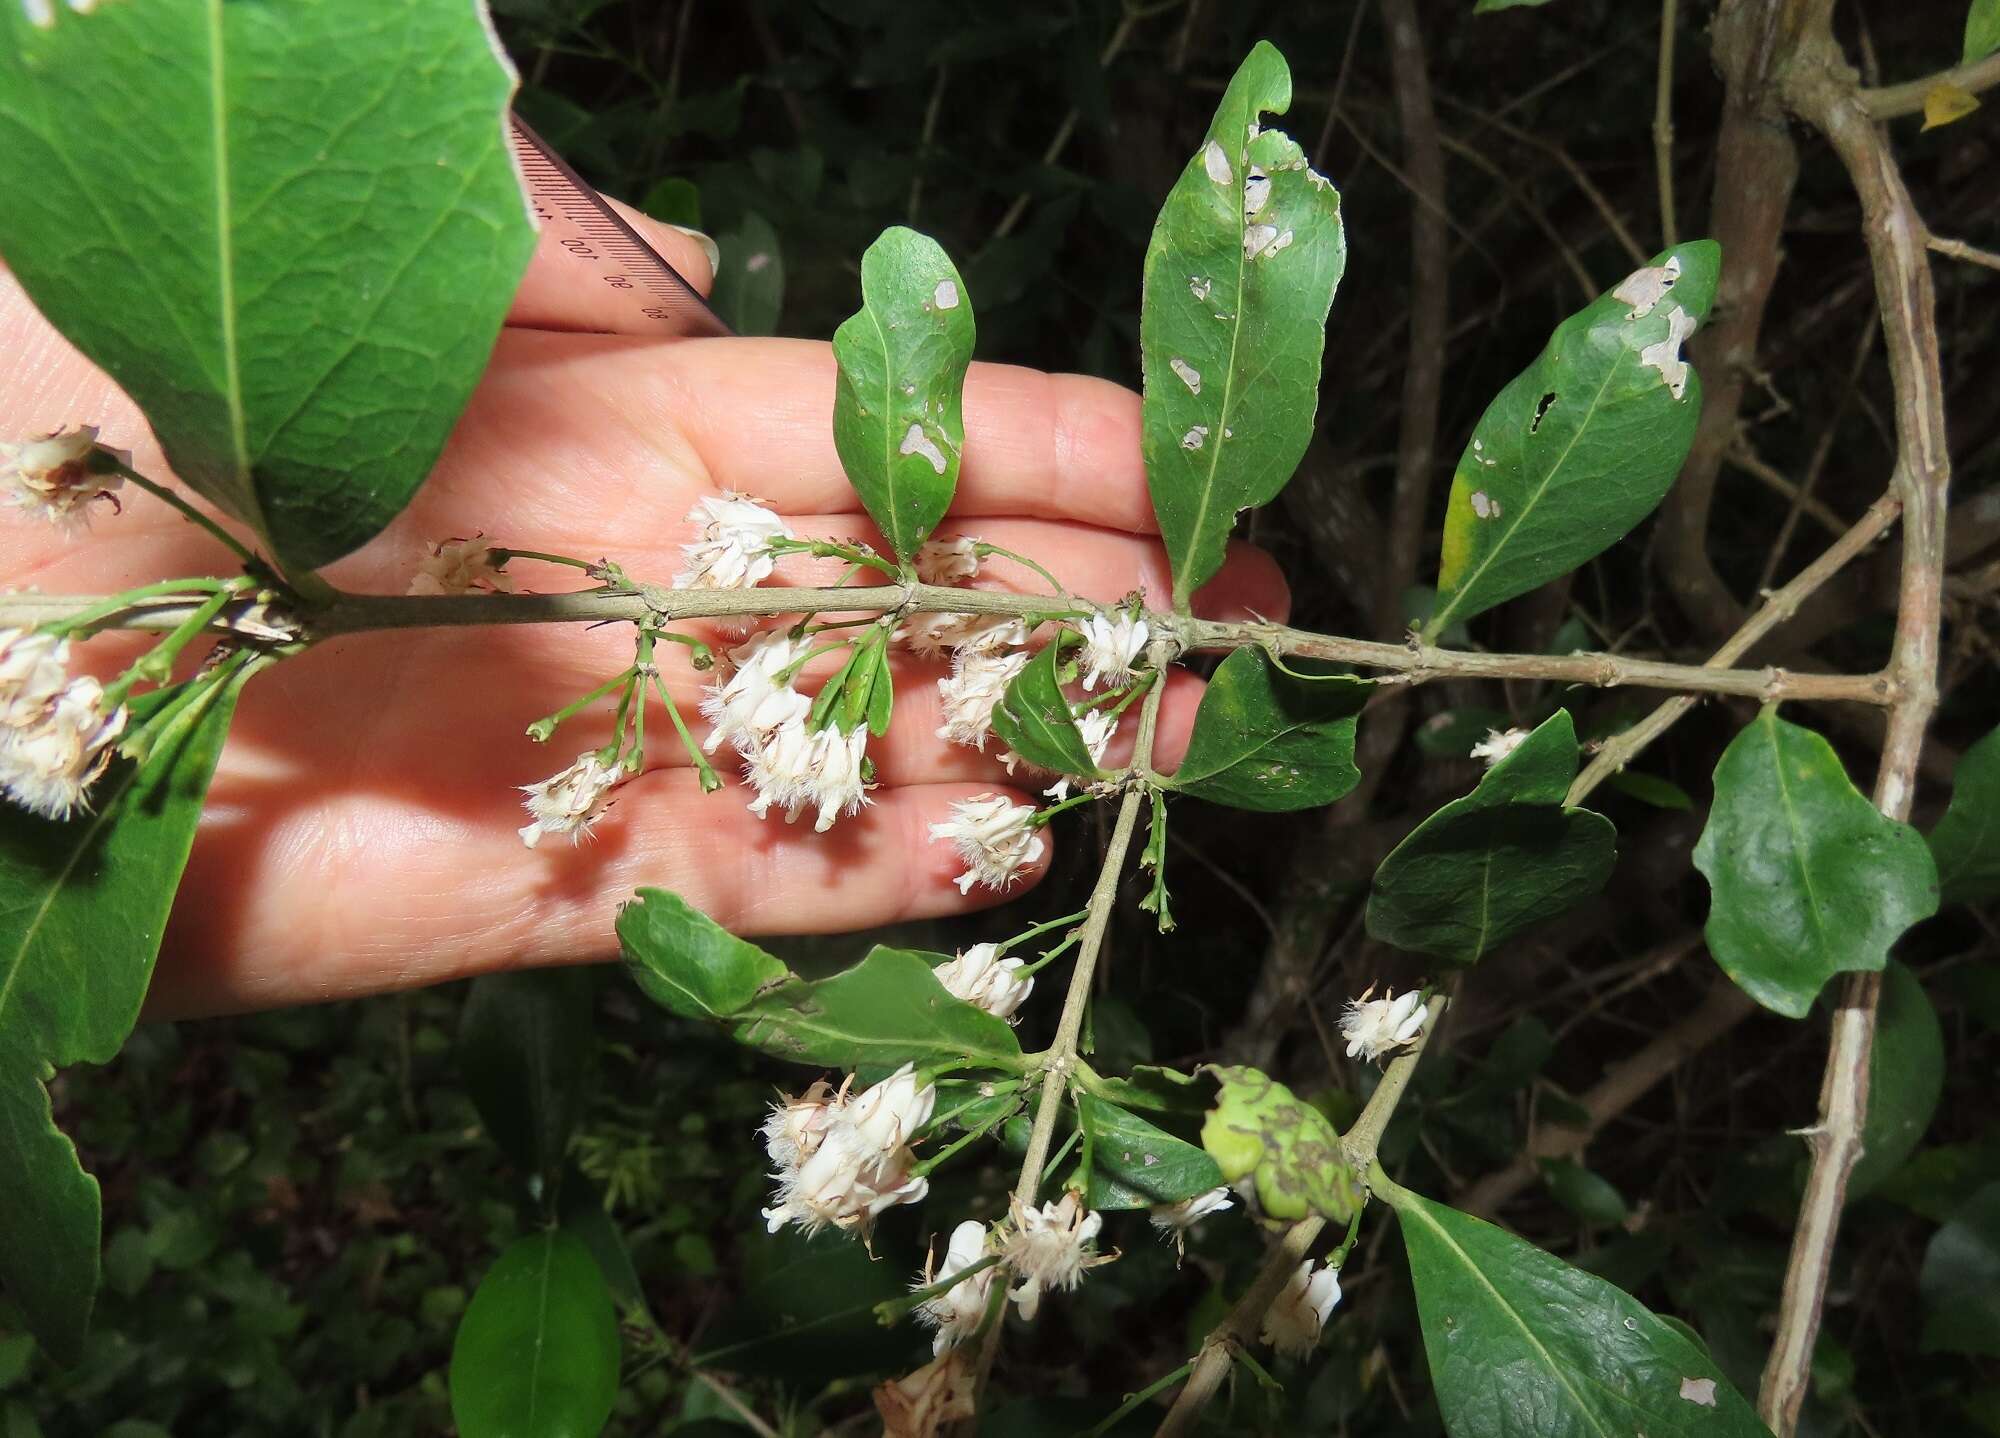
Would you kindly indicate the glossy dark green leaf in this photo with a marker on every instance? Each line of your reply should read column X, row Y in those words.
column 898, row 415
column 1265, row 739
column 1960, row 1280
column 1906, row 1069
column 887, row 1010
column 1581, row 445
column 83, row 905
column 1260, row 1129
column 1520, row 1342
column 582, row 1213
column 1503, row 858
column 1134, row 1163
column 1033, row 719
column 1966, row 841
column 1808, row 879
column 1233, row 321
column 1651, row 789
column 750, row 280
column 536, row 1354
column 1157, row 1089
column 525, row 1045
column 1588, row 1195
column 1982, row 30
column 321, row 160
column 688, row 963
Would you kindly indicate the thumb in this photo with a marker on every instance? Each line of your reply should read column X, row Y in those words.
column 574, row 280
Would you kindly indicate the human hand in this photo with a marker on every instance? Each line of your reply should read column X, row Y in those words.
column 360, row 832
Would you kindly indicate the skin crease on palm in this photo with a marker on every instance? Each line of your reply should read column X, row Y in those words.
column 360, row 834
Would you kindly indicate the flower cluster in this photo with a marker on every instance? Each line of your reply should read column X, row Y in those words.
column 756, row 710
column 52, row 476
column 1292, row 1324
column 460, row 566
column 985, row 980
column 1173, row 1220
column 977, row 682
column 733, row 547
column 1050, row 1247
column 55, row 736
column 995, row 839
column 840, row 1160
column 1112, row 645
column 570, row 802
column 1375, row 1027
column 957, row 1312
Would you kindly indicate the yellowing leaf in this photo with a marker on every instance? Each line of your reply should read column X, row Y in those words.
column 1946, row 103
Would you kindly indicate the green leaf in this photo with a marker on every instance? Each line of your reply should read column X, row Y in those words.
column 1512, row 1331
column 1485, row 7
column 1966, row 841
column 889, row 1010
column 1259, row 1127
column 1960, row 1280
column 1233, row 322
column 675, row 200
column 688, row 963
column 1505, row 857
column 299, row 272
column 525, row 1046
column 83, row 905
column 1651, row 789
column 1588, row 1195
column 898, row 415
column 1808, row 878
column 1135, row 1164
column 1034, row 720
column 1581, row 445
column 536, row 1354
column 1265, row 739
column 1982, row 30
column 750, row 281
column 1906, row 1079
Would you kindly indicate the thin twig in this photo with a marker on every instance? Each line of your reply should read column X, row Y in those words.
column 1908, row 98
column 1663, row 123
column 1960, row 250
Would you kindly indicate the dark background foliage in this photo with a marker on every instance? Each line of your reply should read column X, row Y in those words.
column 297, row 1205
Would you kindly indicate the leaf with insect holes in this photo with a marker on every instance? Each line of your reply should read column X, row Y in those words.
column 83, row 905
column 1966, row 841
column 1033, row 719
column 1266, row 739
column 536, row 1354
column 1583, row 443
column 898, row 407
column 1239, row 277
column 1808, row 879
column 297, row 161
column 1505, row 857
column 1513, row 1331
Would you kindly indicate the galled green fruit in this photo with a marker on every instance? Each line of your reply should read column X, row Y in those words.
column 1259, row 1128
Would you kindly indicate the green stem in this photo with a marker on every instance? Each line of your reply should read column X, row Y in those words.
column 87, row 617
column 544, row 728
column 1138, row 1400
column 1028, row 971
column 1042, row 816
column 157, row 666
column 188, row 512
column 982, row 549
column 710, row 781
column 971, row 1135
column 891, row 1309
column 1359, row 1143
column 1028, row 936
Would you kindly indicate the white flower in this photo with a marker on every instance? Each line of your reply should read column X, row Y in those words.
column 1173, row 1220
column 734, row 550
column 1112, row 644
column 1497, row 745
column 957, row 1312
column 1096, row 726
column 984, row 979
column 837, row 786
column 1293, row 1322
column 780, row 769
column 749, row 706
column 934, row 635
column 51, row 476
column 1050, row 1247
column 844, row 1165
column 1374, row 1027
column 978, row 680
column 793, row 1129
column 48, row 763
column 33, row 670
column 993, row 838
column 460, row 566
column 948, row 561
column 569, row 802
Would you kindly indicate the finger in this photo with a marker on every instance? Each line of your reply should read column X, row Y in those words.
column 452, row 892
column 566, row 287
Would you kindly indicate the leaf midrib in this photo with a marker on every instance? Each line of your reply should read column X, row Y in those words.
column 225, row 258
column 1419, row 1211
column 1797, row 837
